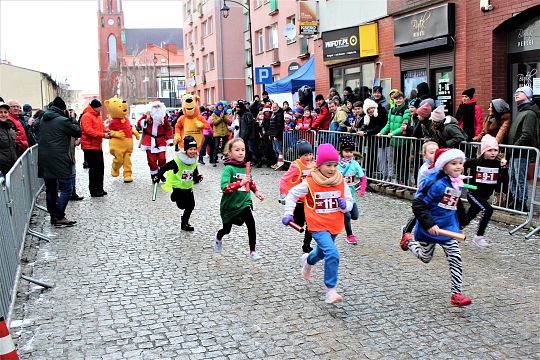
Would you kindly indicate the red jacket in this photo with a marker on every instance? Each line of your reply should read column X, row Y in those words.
column 322, row 122
column 304, row 123
column 22, row 141
column 93, row 130
column 156, row 137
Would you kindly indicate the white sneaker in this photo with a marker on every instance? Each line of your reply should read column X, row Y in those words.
column 217, row 245
column 480, row 241
column 306, row 268
column 332, row 296
column 254, row 256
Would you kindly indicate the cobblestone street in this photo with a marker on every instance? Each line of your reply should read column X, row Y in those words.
column 129, row 284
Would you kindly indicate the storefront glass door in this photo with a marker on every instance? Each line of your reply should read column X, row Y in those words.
column 442, row 84
column 525, row 73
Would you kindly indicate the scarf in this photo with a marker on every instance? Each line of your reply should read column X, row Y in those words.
column 219, row 113
column 322, row 180
column 235, row 163
column 185, row 159
column 344, row 162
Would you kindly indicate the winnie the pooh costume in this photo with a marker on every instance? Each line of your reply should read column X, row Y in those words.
column 121, row 142
column 191, row 123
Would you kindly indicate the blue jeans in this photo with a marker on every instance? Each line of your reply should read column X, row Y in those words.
column 325, row 249
column 277, row 145
column 353, row 214
column 56, row 205
column 518, row 179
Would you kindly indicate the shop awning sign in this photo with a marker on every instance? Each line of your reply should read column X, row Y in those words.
column 308, row 19
column 341, row 44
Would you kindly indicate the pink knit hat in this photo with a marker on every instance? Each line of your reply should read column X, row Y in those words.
column 326, row 153
column 438, row 114
column 424, row 110
column 488, row 143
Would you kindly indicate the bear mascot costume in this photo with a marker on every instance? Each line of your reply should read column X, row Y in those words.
column 121, row 142
column 191, row 123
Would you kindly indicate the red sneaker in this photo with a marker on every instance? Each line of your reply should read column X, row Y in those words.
column 460, row 300
column 404, row 243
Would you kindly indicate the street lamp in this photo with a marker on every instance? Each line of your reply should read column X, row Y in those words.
column 169, row 74
column 225, row 13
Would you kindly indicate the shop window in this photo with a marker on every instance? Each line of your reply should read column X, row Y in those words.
column 411, row 78
column 359, row 77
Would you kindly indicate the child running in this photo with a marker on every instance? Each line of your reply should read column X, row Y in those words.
column 298, row 171
column 487, row 173
column 235, row 207
column 353, row 175
column 435, row 208
column 428, row 152
column 181, row 174
column 327, row 199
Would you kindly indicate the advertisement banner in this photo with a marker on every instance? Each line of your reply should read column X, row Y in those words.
column 308, row 19
column 341, row 44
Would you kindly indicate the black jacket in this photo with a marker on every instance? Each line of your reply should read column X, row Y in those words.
column 277, row 124
column 55, row 133
column 8, row 145
column 482, row 169
column 247, row 126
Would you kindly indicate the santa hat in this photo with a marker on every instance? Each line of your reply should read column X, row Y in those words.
column 267, row 107
column 424, row 110
column 438, row 114
column 488, row 143
column 155, row 102
column 288, row 116
column 326, row 153
column 444, row 156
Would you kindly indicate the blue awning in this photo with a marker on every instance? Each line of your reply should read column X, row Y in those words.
column 303, row 76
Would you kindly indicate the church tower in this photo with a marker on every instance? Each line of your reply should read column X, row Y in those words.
column 111, row 51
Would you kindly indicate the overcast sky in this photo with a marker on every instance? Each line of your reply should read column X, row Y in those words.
column 60, row 37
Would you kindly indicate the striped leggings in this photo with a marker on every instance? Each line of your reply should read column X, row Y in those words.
column 424, row 251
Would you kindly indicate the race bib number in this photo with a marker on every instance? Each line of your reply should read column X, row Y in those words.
column 450, row 199
column 305, row 174
column 326, row 202
column 187, row 175
column 240, row 177
column 485, row 175
column 350, row 179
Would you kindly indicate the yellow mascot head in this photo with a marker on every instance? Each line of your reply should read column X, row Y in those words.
column 117, row 108
column 190, row 105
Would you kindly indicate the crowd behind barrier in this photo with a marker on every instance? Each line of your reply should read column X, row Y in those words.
column 395, row 161
column 18, row 193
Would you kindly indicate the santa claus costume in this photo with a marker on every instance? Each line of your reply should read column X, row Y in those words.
column 157, row 134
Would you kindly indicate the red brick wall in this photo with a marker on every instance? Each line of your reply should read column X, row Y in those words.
column 322, row 73
column 394, row 6
column 390, row 63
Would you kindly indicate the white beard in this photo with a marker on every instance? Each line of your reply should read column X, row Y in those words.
column 157, row 114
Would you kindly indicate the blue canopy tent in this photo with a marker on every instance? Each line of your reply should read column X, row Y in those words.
column 303, row 76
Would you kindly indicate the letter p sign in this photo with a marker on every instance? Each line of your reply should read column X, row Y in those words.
column 263, row 75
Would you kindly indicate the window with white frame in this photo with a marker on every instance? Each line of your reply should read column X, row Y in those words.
column 210, row 23
column 213, row 95
column 206, row 65
column 260, row 41
column 197, row 67
column 211, row 61
column 207, row 96
column 272, row 36
column 204, row 28
column 195, row 35
column 258, row 3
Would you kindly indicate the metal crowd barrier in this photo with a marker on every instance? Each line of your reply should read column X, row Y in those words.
column 395, row 162
column 19, row 190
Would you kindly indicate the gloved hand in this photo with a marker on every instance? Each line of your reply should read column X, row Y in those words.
column 157, row 178
column 198, row 178
column 199, row 124
column 342, row 203
column 286, row 219
column 361, row 192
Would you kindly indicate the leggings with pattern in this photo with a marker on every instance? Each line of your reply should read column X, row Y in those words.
column 424, row 251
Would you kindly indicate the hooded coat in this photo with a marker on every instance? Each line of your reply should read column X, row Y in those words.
column 55, row 133
column 8, row 145
column 525, row 129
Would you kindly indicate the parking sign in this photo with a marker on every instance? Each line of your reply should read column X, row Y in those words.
column 263, row 75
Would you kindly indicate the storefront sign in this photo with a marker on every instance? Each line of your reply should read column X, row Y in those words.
column 425, row 25
column 369, row 40
column 293, row 67
column 341, row 44
column 308, row 19
column 525, row 37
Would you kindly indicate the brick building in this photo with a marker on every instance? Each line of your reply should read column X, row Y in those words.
column 452, row 45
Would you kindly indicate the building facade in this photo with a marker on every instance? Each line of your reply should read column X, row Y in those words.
column 121, row 71
column 451, row 45
column 214, row 48
column 28, row 86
